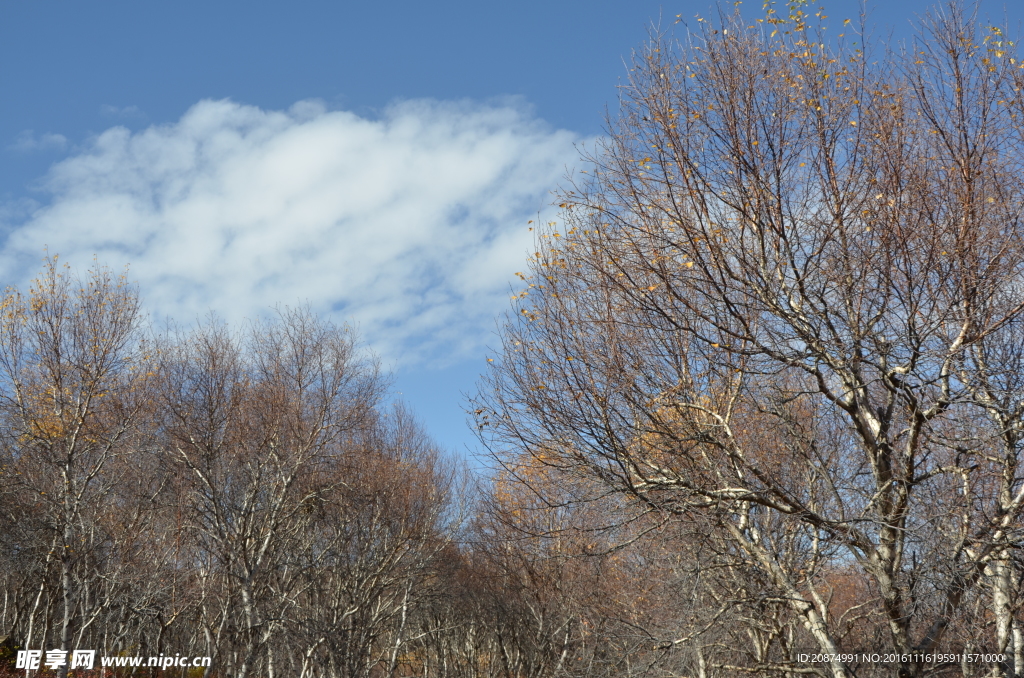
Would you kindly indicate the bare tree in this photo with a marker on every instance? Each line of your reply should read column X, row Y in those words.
column 251, row 426
column 789, row 301
column 382, row 530
column 73, row 396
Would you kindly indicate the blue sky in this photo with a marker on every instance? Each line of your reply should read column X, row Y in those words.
column 379, row 161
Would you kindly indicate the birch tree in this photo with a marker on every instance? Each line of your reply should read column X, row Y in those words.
column 788, row 299
column 74, row 373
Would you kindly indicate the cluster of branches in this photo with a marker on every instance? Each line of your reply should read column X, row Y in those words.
column 248, row 497
column 243, row 496
column 782, row 326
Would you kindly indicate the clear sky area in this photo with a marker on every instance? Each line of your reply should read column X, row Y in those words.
column 377, row 161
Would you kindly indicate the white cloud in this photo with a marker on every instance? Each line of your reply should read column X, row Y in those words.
column 411, row 225
column 27, row 141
